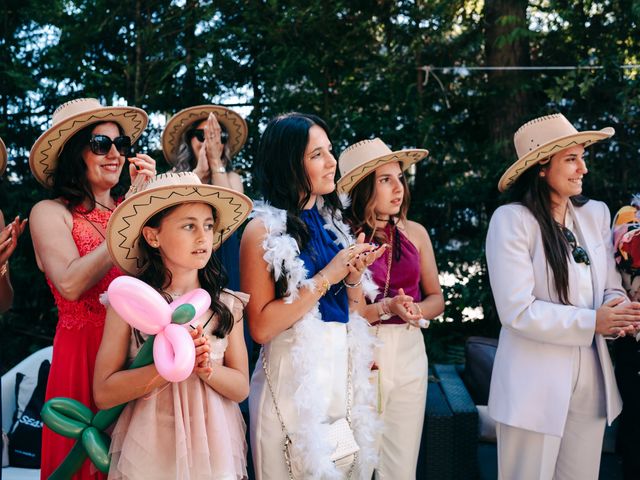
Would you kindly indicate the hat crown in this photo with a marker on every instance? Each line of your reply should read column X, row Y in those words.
column 541, row 131
column 164, row 191
column 362, row 152
column 172, row 179
column 74, row 107
column 178, row 124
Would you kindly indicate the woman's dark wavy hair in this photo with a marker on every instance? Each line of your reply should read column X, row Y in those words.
column 283, row 179
column 212, row 277
column 532, row 191
column 362, row 216
column 70, row 176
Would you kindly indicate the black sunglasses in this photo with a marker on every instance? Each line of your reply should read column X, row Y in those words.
column 579, row 254
column 101, row 144
column 199, row 134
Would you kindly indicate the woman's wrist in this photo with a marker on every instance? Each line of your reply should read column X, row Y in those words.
column 217, row 166
column 383, row 309
column 324, row 283
column 203, row 175
column 353, row 278
column 349, row 284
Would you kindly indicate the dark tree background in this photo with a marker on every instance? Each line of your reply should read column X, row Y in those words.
column 358, row 65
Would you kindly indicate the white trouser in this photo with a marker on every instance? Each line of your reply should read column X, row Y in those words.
column 402, row 360
column 265, row 430
column 528, row 455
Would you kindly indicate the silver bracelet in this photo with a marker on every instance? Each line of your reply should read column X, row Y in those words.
column 352, row 285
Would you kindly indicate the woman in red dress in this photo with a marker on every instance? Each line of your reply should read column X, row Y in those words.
column 80, row 158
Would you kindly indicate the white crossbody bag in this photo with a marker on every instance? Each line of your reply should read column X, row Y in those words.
column 345, row 452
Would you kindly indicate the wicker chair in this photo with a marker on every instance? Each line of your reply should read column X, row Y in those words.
column 450, row 434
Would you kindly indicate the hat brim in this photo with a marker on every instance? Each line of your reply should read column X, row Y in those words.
column 543, row 152
column 3, row 157
column 43, row 159
column 125, row 225
column 406, row 158
column 234, row 124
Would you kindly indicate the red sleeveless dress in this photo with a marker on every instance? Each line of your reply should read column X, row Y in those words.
column 76, row 343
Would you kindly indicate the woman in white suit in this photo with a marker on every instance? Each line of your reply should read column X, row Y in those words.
column 558, row 294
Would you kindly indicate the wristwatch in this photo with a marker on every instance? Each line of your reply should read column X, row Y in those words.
column 220, row 170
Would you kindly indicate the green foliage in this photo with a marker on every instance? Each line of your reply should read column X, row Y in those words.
column 354, row 63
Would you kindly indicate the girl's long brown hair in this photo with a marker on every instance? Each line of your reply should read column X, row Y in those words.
column 212, row 277
column 361, row 214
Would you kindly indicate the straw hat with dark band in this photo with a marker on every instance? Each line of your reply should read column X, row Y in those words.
column 233, row 123
column 3, row 157
column 71, row 117
column 540, row 138
column 167, row 190
column 362, row 158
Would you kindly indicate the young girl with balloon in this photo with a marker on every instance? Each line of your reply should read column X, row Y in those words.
column 186, row 428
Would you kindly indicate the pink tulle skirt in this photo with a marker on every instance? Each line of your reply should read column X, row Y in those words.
column 183, row 431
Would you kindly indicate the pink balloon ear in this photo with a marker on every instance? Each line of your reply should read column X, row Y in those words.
column 139, row 304
column 199, row 298
column 174, row 353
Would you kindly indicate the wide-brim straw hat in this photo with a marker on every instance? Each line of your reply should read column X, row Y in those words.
column 124, row 229
column 3, row 157
column 233, row 123
column 362, row 158
column 540, row 138
column 71, row 117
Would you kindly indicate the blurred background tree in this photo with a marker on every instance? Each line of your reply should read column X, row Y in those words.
column 359, row 65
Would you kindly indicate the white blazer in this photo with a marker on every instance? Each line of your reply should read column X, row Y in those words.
column 540, row 337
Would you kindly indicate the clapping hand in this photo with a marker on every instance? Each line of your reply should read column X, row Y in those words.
column 213, row 146
column 9, row 238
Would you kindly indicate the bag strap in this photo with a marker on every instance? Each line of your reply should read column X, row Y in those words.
column 285, row 432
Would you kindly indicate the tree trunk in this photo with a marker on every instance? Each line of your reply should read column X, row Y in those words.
column 506, row 44
column 137, row 79
column 507, row 100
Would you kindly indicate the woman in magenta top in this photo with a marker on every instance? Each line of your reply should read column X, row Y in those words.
column 409, row 293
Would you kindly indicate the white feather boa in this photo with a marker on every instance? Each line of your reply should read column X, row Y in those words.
column 311, row 447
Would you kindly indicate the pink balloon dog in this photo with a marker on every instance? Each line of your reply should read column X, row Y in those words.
column 144, row 309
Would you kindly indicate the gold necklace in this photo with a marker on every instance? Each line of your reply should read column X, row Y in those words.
column 387, row 316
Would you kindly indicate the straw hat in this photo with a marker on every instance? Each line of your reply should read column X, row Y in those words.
column 233, row 123
column 362, row 158
column 3, row 157
column 540, row 138
column 162, row 191
column 71, row 117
